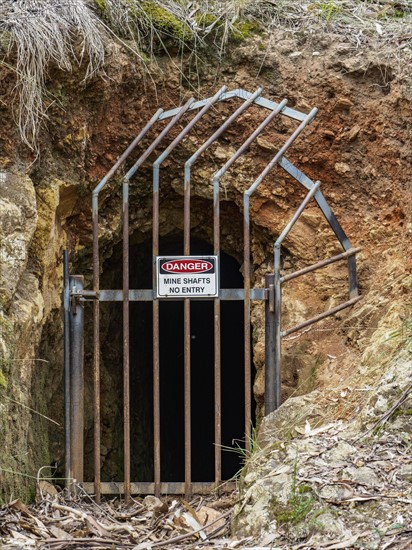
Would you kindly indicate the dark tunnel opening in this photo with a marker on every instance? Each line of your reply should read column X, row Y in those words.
column 172, row 372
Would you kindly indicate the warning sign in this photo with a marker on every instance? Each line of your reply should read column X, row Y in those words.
column 187, row 276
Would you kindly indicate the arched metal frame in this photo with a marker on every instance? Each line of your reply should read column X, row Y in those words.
column 271, row 294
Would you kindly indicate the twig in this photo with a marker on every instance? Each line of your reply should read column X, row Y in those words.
column 32, row 410
column 385, row 417
column 187, row 535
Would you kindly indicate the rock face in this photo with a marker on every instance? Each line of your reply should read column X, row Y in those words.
column 337, row 481
column 359, row 148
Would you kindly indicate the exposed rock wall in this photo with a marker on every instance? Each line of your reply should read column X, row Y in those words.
column 359, row 147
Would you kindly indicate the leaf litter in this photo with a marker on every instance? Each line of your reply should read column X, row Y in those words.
column 60, row 520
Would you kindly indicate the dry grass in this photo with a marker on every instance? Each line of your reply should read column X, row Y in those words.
column 34, row 33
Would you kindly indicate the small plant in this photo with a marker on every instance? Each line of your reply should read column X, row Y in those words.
column 299, row 505
column 239, row 448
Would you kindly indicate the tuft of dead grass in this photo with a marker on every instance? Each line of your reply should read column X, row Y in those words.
column 34, row 33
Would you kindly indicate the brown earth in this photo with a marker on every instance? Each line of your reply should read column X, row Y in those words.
column 359, row 147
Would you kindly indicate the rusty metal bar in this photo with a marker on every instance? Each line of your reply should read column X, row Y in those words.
column 77, row 379
column 126, row 344
column 67, row 373
column 156, row 177
column 278, row 291
column 187, row 400
column 96, row 305
column 246, row 320
column 166, row 488
column 270, row 348
column 146, row 295
column 96, row 357
column 321, row 316
column 127, row 152
column 243, row 94
column 320, row 264
column 246, row 262
column 217, row 343
column 296, row 216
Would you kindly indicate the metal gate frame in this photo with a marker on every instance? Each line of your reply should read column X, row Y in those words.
column 75, row 296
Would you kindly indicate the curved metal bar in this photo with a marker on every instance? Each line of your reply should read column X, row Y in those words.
column 278, row 294
column 217, row 378
column 330, row 217
column 127, row 152
column 244, row 94
column 156, row 365
column 295, row 217
column 216, row 239
column 246, row 240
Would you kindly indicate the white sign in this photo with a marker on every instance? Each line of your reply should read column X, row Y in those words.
column 187, row 277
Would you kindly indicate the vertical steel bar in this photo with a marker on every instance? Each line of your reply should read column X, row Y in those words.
column 216, row 231
column 270, row 346
column 187, row 352
column 126, row 343
column 217, row 342
column 156, row 350
column 188, row 408
column 156, row 339
column 156, row 179
column 67, row 400
column 96, row 351
column 77, row 381
column 246, row 319
column 277, row 322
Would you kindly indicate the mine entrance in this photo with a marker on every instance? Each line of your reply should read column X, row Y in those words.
column 153, row 319
column 171, row 318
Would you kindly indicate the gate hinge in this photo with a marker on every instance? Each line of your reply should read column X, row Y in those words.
column 79, row 295
column 90, row 295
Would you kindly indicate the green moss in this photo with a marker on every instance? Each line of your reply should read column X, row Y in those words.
column 205, row 19
column 166, row 22
column 244, row 29
column 101, row 4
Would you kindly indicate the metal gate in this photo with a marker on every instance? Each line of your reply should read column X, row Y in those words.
column 75, row 296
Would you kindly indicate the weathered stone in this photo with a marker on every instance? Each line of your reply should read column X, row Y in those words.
column 354, row 132
column 364, row 475
column 342, row 168
column 405, row 473
column 266, row 145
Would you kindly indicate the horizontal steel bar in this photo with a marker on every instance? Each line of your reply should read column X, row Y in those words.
column 146, row 295
column 242, row 94
column 166, row 488
column 318, row 265
column 321, row 316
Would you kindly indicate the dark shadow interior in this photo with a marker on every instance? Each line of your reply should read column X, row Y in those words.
column 171, row 373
